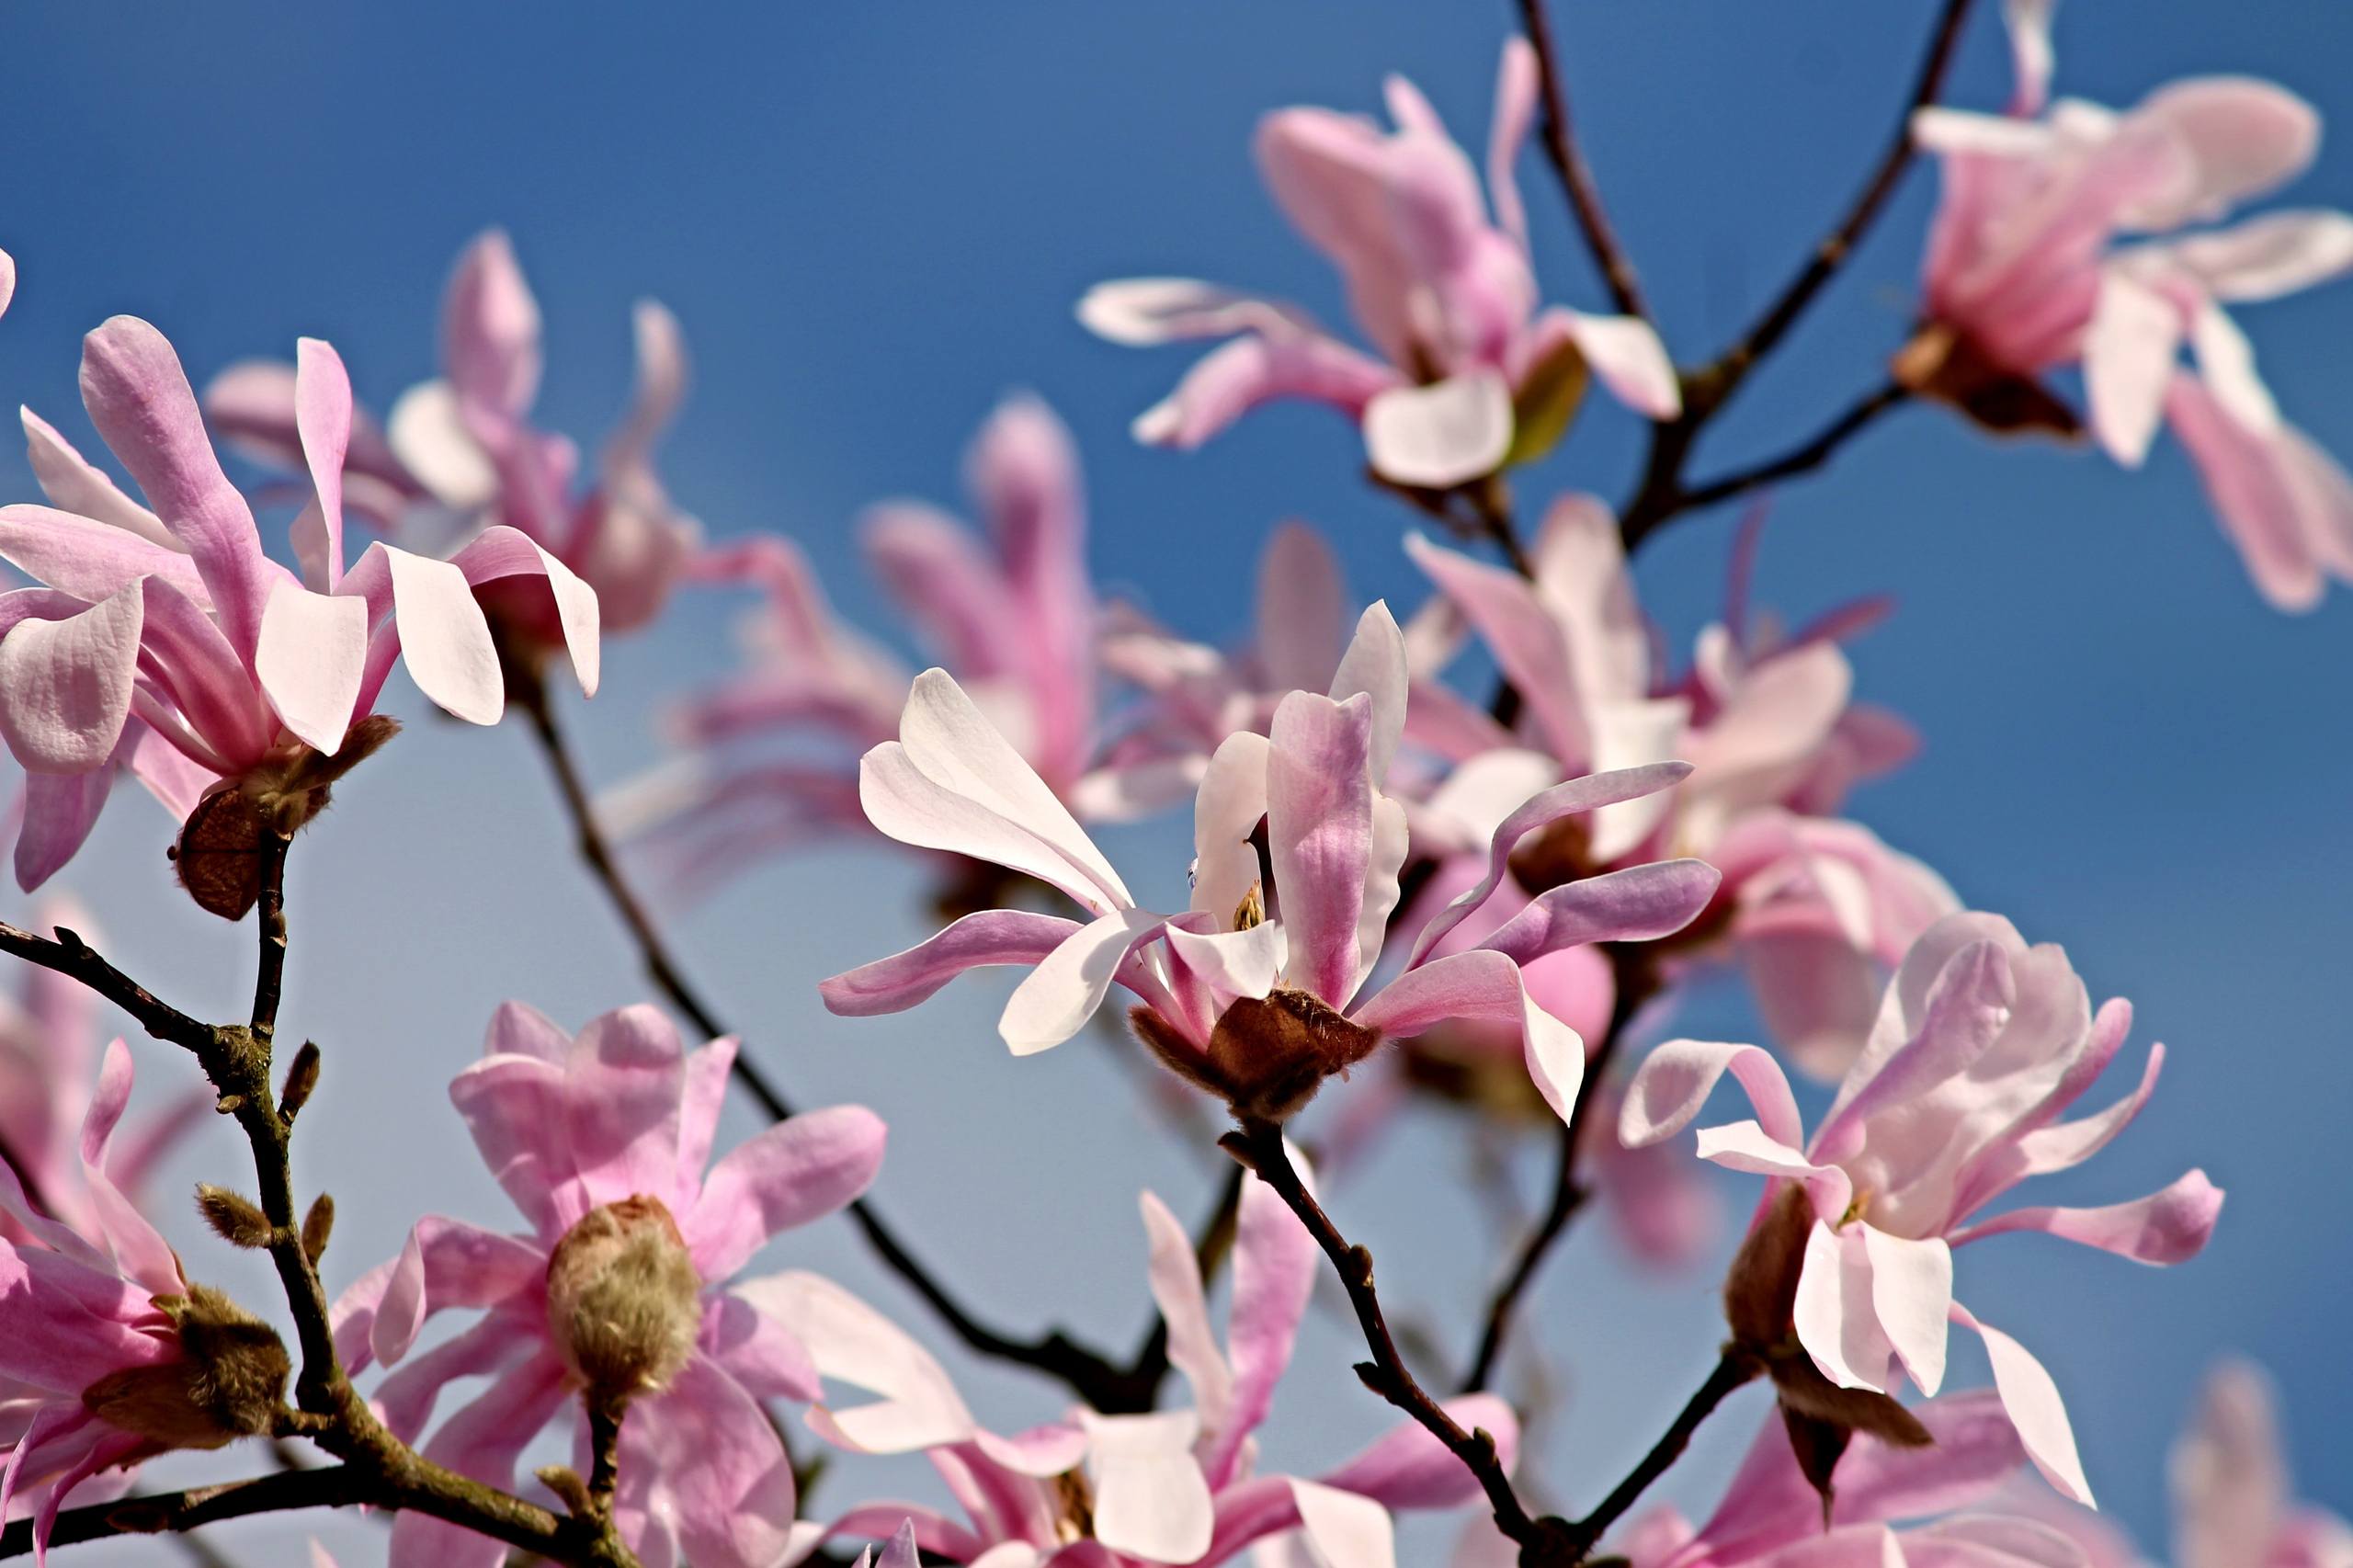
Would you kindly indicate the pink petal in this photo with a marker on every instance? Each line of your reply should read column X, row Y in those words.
column 1144, row 312
column 1237, row 377
column 2265, row 257
column 2032, row 59
column 1300, row 613
column 1836, row 1321
column 1344, row 1528
column 2035, row 1408
column 504, row 554
column 1628, row 358
column 186, row 656
column 139, row 400
column 8, row 280
column 790, row 1174
column 1408, row 1467
column 1481, row 985
column 1674, row 1082
column 1150, row 1498
column 2282, row 502
column 1526, row 639
column 1319, row 835
column 702, row 1096
column 623, row 1084
column 444, row 1264
column 850, row 1342
column 2128, row 353
column 72, row 484
column 1374, row 664
column 1057, row 997
column 949, row 585
column 1227, row 809
column 1275, row 1266
column 2168, row 1226
column 322, row 416
column 407, row 1395
column 1911, row 1294
column 483, row 1440
column 513, row 1106
column 2230, row 1481
column 60, row 809
column 1639, row 904
column 88, row 558
column 1442, row 435
column 1176, row 1280
column 2243, row 137
column 65, row 684
column 1023, row 472
column 310, row 660
column 490, row 328
column 720, row 1477
column 903, row 980
column 444, row 639
column 1515, row 85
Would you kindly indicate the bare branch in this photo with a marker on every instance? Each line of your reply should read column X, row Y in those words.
column 1576, row 178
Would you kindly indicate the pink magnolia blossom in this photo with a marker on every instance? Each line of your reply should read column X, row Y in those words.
column 1982, row 1044
column 2024, row 275
column 1446, row 294
column 460, row 455
column 1255, row 992
column 1817, row 908
column 95, row 1372
column 1177, row 1486
column 49, row 1058
column 1010, row 610
column 8, row 280
column 602, row 1141
column 166, row 643
column 1771, row 1515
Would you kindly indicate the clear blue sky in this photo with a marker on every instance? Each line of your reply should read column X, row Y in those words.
column 872, row 220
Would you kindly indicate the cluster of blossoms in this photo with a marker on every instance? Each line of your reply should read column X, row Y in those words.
column 1492, row 907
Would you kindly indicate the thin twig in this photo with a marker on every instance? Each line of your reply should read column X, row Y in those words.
column 1259, row 1145
column 1636, row 983
column 1732, row 1369
column 1800, row 460
column 1559, row 137
column 1111, row 1389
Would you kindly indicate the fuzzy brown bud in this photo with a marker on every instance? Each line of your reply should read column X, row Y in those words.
column 1268, row 1056
column 236, row 1219
column 227, row 1382
column 302, row 1077
column 1947, row 366
column 318, row 1224
column 219, row 851
column 623, row 1300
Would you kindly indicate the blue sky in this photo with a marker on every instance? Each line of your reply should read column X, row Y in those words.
column 874, row 221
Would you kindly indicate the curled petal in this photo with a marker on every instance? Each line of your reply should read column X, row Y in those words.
column 904, row 979
column 1481, row 985
column 2168, row 1226
column 1639, row 904
column 2034, row 1406
column 1442, row 435
column 1675, row 1080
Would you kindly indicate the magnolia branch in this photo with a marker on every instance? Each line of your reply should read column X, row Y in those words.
column 1559, row 137
column 1110, row 1387
column 1803, row 459
column 1661, row 493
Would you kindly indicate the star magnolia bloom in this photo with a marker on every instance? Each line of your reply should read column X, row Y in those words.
column 1982, row 1044
column 1770, row 1515
column 1011, row 611
column 1252, row 994
column 460, row 454
column 48, row 1057
column 94, row 1372
column 1172, row 1487
column 2020, row 278
column 1817, row 908
column 1446, row 294
column 167, row 643
column 601, row 1142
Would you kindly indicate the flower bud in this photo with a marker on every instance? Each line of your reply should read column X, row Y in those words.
column 228, row 1382
column 218, row 854
column 624, row 1299
column 1268, row 1055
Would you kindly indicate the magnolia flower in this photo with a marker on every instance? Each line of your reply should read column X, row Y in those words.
column 108, row 1355
column 617, row 1295
column 1256, row 992
column 1817, row 908
column 8, row 280
column 1771, row 1514
column 166, row 643
column 460, row 455
column 2022, row 275
column 1980, row 1045
column 1470, row 374
column 49, row 1058
column 1012, row 613
column 1178, row 1486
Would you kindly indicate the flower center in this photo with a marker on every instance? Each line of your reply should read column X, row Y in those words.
column 624, row 1299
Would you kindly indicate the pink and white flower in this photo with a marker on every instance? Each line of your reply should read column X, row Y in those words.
column 1446, row 294
column 601, row 1140
column 166, row 643
column 1256, row 992
column 2024, row 273
column 459, row 454
column 1982, row 1044
column 1177, row 1486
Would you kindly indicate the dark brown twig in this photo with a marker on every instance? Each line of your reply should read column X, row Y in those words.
column 1800, row 460
column 1732, row 1369
column 1111, row 1388
column 1559, row 137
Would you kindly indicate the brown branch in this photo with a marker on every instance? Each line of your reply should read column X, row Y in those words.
column 1637, row 982
column 1259, row 1146
column 1734, row 1368
column 69, row 956
column 1800, row 460
column 1111, row 1389
column 1559, row 137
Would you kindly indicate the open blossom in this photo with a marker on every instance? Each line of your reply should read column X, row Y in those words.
column 1981, row 1045
column 1009, row 609
column 1177, row 1486
column 1256, row 992
column 108, row 1355
column 48, row 1059
column 165, row 641
column 1817, row 908
column 460, row 453
column 1446, row 293
column 1772, row 1516
column 2024, row 273
column 618, row 1293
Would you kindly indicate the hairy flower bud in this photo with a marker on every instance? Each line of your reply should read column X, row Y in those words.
column 235, row 1219
column 623, row 1300
column 1268, row 1056
column 228, row 1382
